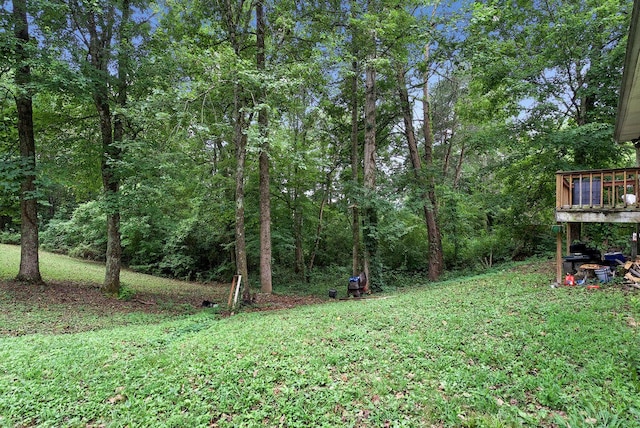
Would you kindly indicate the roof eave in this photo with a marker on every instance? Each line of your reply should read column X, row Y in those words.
column 628, row 117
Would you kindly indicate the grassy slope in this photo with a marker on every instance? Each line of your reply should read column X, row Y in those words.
column 493, row 350
column 21, row 316
column 58, row 267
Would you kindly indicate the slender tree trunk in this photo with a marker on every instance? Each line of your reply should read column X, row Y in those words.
column 409, row 131
column 448, row 140
column 241, row 154
column 100, row 29
column 263, row 124
column 436, row 263
column 458, row 176
column 299, row 267
column 29, row 261
column 298, row 219
column 111, row 188
column 355, row 166
column 370, row 233
column 112, row 152
column 326, row 196
column 98, row 53
column 232, row 12
column 316, row 244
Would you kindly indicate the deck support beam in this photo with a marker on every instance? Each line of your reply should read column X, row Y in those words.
column 559, row 257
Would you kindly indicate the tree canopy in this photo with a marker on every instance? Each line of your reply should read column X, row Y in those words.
column 166, row 132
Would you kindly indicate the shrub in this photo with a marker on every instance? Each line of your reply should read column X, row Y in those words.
column 10, row 237
column 83, row 235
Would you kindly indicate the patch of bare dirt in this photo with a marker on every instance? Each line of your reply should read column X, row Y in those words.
column 69, row 294
column 75, row 296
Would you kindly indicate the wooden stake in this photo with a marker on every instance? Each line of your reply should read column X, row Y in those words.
column 235, row 299
column 233, row 286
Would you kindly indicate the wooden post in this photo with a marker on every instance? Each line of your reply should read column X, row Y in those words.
column 235, row 299
column 234, row 291
column 559, row 258
column 233, row 286
column 559, row 191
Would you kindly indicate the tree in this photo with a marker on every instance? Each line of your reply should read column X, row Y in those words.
column 370, row 221
column 436, row 264
column 99, row 37
column 400, row 42
column 355, row 158
column 544, row 78
column 29, row 262
column 244, row 118
column 265, row 189
column 236, row 18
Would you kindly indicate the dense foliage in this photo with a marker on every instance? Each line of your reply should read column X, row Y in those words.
column 518, row 90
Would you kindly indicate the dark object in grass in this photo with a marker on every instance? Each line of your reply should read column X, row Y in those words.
column 333, row 293
column 251, row 299
column 358, row 285
column 208, row 304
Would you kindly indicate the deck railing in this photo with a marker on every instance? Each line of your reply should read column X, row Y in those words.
column 604, row 189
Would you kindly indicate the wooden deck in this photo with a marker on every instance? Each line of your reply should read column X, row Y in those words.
column 598, row 196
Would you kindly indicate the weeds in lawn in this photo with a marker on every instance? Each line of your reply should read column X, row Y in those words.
column 497, row 350
column 126, row 293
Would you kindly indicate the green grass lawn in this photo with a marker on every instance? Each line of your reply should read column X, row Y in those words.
column 498, row 350
column 59, row 267
column 20, row 316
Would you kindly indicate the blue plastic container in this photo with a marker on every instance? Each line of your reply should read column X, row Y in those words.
column 614, row 258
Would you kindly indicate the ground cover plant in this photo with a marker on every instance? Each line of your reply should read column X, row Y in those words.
column 500, row 349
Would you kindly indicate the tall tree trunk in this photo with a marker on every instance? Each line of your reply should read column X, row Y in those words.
column 263, row 124
column 111, row 186
column 424, row 181
column 316, row 243
column 100, row 29
column 298, row 219
column 436, row 263
column 447, row 159
column 29, row 261
column 240, row 139
column 370, row 232
column 111, row 152
column 232, row 13
column 355, row 166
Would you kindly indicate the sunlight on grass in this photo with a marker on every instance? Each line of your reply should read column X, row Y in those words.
column 52, row 266
column 63, row 268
